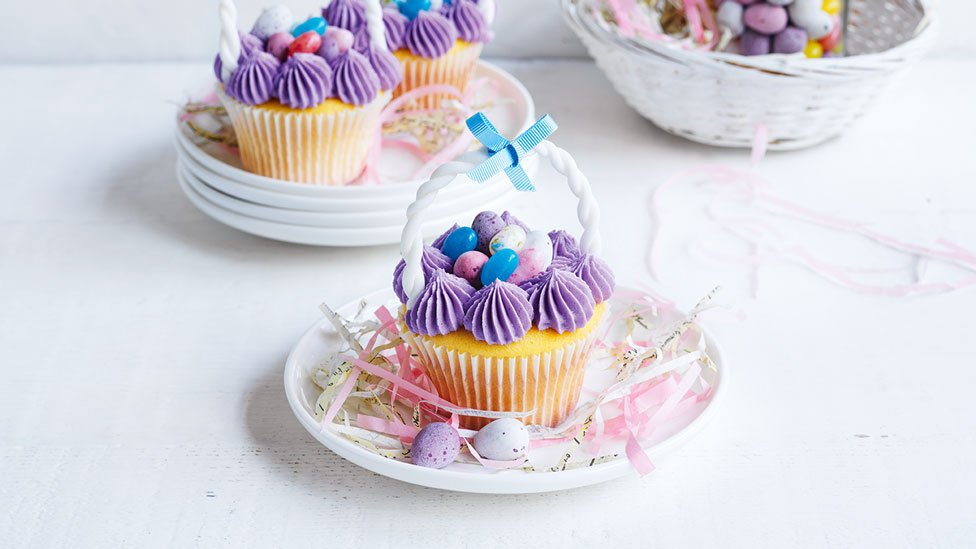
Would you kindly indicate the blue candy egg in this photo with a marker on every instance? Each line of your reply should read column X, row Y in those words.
column 410, row 8
column 316, row 24
column 463, row 239
column 500, row 266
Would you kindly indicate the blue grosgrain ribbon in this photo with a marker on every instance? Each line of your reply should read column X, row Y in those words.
column 505, row 155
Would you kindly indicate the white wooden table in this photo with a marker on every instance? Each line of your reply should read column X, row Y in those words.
column 142, row 343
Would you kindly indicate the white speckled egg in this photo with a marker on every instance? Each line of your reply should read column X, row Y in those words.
column 503, row 440
column 273, row 20
column 511, row 237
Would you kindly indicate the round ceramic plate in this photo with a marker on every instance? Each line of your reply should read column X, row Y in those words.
column 321, row 340
column 300, row 210
column 512, row 111
column 327, row 236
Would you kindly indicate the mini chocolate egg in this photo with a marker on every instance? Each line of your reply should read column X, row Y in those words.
column 534, row 257
column 791, row 40
column 307, row 42
column 316, row 24
column 329, row 49
column 831, row 6
column 754, row 43
column 729, row 17
column 765, row 18
column 809, row 16
column 435, row 446
column 278, row 44
column 342, row 37
column 462, row 240
column 469, row 266
column 499, row 266
column 272, row 21
column 486, row 225
column 511, row 237
column 503, row 440
column 813, row 50
column 830, row 41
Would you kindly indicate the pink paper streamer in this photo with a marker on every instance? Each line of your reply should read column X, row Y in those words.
column 340, row 398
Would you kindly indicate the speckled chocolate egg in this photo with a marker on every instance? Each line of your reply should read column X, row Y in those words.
column 435, row 446
column 503, row 439
column 511, row 237
column 486, row 225
column 273, row 20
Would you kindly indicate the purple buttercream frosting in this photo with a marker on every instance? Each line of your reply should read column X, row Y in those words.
column 253, row 81
column 499, row 314
column 304, row 81
column 510, row 219
column 469, row 22
column 596, row 274
column 356, row 83
column 440, row 307
column 561, row 301
column 431, row 259
column 345, row 14
column 394, row 29
column 249, row 43
column 564, row 245
column 430, row 35
column 385, row 64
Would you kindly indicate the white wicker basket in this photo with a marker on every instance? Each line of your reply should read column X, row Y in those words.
column 720, row 98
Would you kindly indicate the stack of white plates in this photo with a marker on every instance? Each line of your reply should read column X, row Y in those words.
column 213, row 179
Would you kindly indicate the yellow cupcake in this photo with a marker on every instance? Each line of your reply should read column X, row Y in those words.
column 454, row 68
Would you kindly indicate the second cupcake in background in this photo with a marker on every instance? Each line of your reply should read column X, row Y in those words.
column 437, row 42
column 305, row 105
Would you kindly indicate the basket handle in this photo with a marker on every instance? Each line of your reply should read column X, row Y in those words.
column 230, row 41
column 374, row 25
column 412, row 241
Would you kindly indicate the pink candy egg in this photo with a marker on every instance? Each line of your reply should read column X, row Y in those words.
column 307, row 42
column 278, row 44
column 468, row 266
column 342, row 37
column 765, row 18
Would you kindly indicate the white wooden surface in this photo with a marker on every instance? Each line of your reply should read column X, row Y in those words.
column 143, row 343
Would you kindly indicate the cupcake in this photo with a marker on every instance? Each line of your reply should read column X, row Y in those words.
column 436, row 42
column 502, row 323
column 304, row 104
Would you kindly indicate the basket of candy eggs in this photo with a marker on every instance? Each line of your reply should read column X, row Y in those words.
column 719, row 71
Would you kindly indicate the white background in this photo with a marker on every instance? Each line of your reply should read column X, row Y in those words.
column 57, row 31
column 142, row 343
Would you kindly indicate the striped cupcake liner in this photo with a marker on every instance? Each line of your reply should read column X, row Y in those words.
column 453, row 68
column 304, row 146
column 547, row 382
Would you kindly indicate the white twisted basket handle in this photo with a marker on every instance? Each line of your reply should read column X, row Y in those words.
column 412, row 240
column 230, row 41
column 487, row 9
column 374, row 24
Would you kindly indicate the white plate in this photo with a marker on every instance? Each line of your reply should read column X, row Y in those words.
column 326, row 236
column 321, row 339
column 512, row 112
column 291, row 208
column 476, row 196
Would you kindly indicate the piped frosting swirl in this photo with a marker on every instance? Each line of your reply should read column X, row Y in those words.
column 564, row 245
column 253, row 81
column 431, row 259
column 499, row 314
column 596, row 274
column 303, row 81
column 468, row 20
column 385, row 64
column 249, row 44
column 345, row 14
column 356, row 83
column 440, row 307
column 561, row 300
column 430, row 35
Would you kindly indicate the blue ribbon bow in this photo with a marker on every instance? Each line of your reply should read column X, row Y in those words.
column 506, row 155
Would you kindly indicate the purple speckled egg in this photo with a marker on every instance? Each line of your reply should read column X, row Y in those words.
column 468, row 266
column 329, row 48
column 503, row 439
column 766, row 18
column 436, row 446
column 486, row 225
column 754, row 43
column 278, row 44
column 791, row 40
